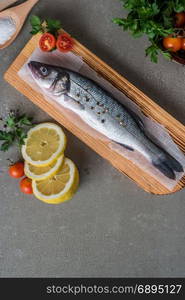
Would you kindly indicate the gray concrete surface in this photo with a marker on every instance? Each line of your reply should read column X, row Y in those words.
column 111, row 227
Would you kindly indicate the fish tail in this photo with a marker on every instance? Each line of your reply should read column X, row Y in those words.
column 160, row 159
column 167, row 164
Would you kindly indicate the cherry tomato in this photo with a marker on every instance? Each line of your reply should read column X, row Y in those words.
column 64, row 43
column 173, row 44
column 17, row 170
column 47, row 42
column 180, row 19
column 26, row 185
column 183, row 44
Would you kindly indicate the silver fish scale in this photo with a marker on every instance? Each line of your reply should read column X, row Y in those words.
column 88, row 93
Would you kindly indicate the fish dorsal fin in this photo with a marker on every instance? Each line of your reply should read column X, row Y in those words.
column 138, row 120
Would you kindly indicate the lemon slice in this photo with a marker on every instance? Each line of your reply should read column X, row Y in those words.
column 44, row 143
column 40, row 173
column 60, row 187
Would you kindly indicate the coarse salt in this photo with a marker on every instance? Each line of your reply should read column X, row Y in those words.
column 7, row 29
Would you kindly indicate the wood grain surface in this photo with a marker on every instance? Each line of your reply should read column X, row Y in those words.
column 148, row 107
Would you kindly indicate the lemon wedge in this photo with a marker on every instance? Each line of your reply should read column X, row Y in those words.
column 44, row 144
column 60, row 187
column 40, row 173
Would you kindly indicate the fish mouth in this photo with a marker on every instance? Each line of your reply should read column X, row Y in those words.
column 34, row 68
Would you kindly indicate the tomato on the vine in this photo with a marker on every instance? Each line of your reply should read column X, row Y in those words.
column 180, row 19
column 47, row 42
column 173, row 44
column 64, row 43
column 26, row 186
column 17, row 170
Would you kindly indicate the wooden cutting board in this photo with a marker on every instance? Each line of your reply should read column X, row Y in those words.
column 148, row 107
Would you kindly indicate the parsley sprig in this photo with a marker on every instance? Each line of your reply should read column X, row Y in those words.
column 153, row 18
column 15, row 129
column 42, row 26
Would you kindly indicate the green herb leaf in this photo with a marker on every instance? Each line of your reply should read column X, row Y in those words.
column 49, row 25
column 53, row 25
column 152, row 52
column 15, row 130
column 154, row 18
column 21, row 135
column 36, row 23
column 11, row 121
column 2, row 135
column 24, row 120
column 7, row 136
column 5, row 146
column 167, row 55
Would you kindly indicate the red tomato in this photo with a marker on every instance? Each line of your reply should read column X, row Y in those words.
column 64, row 43
column 183, row 44
column 173, row 44
column 17, row 170
column 47, row 42
column 180, row 19
column 26, row 185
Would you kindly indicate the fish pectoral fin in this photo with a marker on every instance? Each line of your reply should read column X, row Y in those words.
column 125, row 146
column 73, row 104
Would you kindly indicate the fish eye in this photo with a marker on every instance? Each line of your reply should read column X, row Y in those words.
column 44, row 71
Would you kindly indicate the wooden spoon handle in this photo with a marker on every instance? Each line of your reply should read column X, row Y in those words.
column 26, row 7
column 6, row 3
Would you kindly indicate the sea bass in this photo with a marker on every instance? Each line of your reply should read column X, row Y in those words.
column 100, row 110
